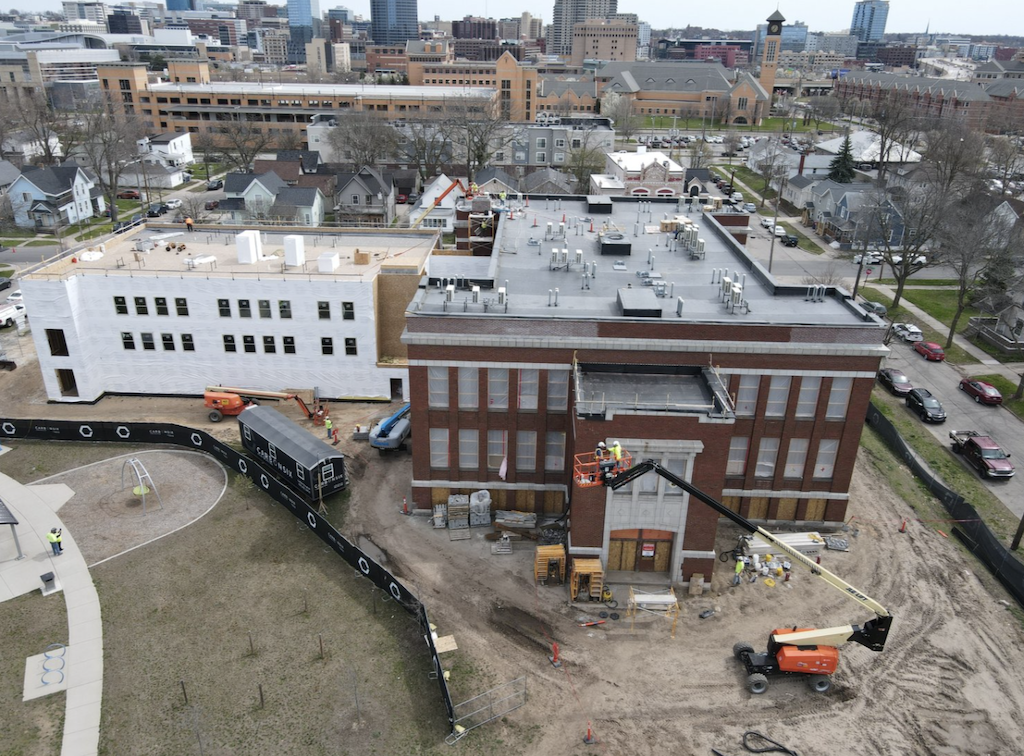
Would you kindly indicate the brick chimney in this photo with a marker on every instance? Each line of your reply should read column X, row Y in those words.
column 800, row 169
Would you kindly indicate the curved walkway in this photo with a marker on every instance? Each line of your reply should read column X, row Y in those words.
column 36, row 510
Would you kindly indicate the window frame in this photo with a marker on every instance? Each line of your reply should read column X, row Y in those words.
column 554, row 440
column 767, row 457
column 526, row 440
column 734, row 466
column 437, row 387
column 469, row 388
column 793, row 469
column 438, row 437
column 469, row 449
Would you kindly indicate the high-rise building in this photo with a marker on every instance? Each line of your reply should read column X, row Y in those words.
column 181, row 5
column 124, row 22
column 567, row 14
column 393, row 21
column 304, row 25
column 869, row 17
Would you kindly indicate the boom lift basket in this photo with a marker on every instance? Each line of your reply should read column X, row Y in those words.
column 587, row 471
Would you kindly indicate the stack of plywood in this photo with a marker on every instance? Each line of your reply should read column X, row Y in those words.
column 550, row 560
column 458, row 517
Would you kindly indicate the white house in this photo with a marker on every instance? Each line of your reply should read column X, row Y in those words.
column 436, row 206
column 172, row 149
column 250, row 195
column 44, row 198
column 263, row 309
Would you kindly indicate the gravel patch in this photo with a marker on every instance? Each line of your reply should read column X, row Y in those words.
column 106, row 517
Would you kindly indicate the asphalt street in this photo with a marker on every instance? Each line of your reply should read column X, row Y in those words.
column 963, row 413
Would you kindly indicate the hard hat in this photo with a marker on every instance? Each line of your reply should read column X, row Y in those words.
column 53, row 530
column 615, row 443
column 600, row 444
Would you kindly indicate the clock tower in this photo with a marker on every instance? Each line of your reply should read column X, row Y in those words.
column 770, row 56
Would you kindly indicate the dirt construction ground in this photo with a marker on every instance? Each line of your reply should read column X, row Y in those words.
column 950, row 680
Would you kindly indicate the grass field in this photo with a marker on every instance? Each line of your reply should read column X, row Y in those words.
column 941, row 305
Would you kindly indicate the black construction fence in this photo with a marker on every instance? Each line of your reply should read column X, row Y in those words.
column 970, row 529
column 178, row 435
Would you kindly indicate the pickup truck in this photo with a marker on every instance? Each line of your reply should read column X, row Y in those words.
column 984, row 454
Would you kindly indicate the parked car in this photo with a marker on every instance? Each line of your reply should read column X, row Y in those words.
column 869, row 258
column 750, row 207
column 875, row 307
column 930, row 351
column 156, row 210
column 212, row 204
column 14, row 296
column 173, row 204
column 983, row 454
column 908, row 332
column 767, row 223
column 401, row 199
column 129, row 194
column 983, row 393
column 791, row 241
column 919, row 260
column 736, row 197
column 413, row 197
column 5, row 283
column 927, row 407
column 895, row 380
column 214, row 185
column 779, row 231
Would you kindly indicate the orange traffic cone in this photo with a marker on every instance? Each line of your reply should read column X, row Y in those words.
column 591, row 226
column 589, row 739
column 535, row 221
column 563, row 217
column 554, row 656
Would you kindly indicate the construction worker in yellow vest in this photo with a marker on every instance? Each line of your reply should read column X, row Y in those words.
column 54, row 539
column 617, row 453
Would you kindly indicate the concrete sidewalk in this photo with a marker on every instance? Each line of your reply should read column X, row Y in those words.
column 36, row 510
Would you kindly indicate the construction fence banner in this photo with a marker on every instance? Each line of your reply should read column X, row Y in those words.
column 969, row 528
column 178, row 435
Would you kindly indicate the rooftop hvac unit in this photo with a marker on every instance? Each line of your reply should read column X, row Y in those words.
column 501, row 295
column 476, row 294
column 554, row 256
column 700, row 245
column 449, row 293
column 579, row 256
column 726, row 286
column 737, row 294
column 679, row 306
column 565, row 257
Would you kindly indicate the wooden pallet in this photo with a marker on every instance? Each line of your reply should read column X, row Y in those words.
column 546, row 558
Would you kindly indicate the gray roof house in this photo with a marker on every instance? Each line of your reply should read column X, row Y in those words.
column 547, row 181
column 250, row 196
column 493, row 180
column 303, row 205
column 47, row 198
column 367, row 195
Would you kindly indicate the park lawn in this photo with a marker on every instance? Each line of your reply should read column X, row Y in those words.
column 1006, row 388
column 941, row 305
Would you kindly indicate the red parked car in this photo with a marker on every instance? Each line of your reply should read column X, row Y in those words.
column 930, row 351
column 983, row 393
column 129, row 194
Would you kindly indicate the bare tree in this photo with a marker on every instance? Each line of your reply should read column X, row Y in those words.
column 771, row 164
column 365, row 138
column 476, row 133
column 699, row 154
column 822, row 108
column 896, row 123
column 831, row 276
column 205, row 141
column 1006, row 158
column 956, row 153
column 289, row 140
column 108, row 147
column 194, row 206
column 731, row 144
column 585, row 158
column 241, row 141
column 904, row 226
column 50, row 129
column 620, row 109
column 972, row 241
column 428, row 146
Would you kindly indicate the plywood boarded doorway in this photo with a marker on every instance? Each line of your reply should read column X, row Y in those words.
column 640, row 550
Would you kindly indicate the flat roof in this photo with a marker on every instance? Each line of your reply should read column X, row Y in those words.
column 211, row 251
column 324, row 90
column 656, row 262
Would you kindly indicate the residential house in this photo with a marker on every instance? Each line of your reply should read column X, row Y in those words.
column 366, row 196
column 547, row 181
column 250, row 196
column 49, row 198
column 493, row 180
column 290, row 165
column 846, row 213
column 797, row 191
column 150, row 176
column 23, row 147
column 795, row 163
column 303, row 205
column 172, row 149
column 436, row 206
column 866, row 147
column 8, row 173
column 695, row 183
